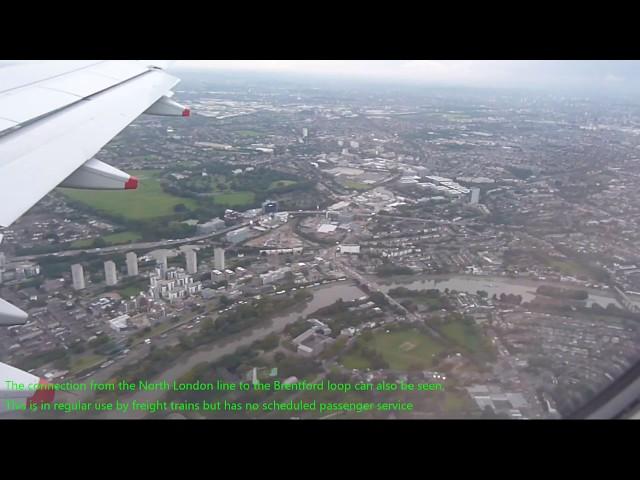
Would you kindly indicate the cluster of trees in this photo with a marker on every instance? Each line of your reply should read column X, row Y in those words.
column 54, row 267
column 37, row 360
column 375, row 358
column 433, row 298
column 558, row 292
column 520, row 172
column 389, row 269
column 261, row 181
column 509, row 298
column 245, row 316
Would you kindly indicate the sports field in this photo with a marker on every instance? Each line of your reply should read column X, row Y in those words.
column 148, row 201
column 400, row 349
column 403, row 348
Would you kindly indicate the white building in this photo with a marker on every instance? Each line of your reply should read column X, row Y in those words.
column 355, row 249
column 475, row 196
column 274, row 276
column 327, row 228
column 239, row 235
column 132, row 264
column 119, row 323
column 110, row 273
column 192, row 261
column 175, row 283
column 211, row 226
column 305, row 132
column 162, row 263
column 77, row 275
column 218, row 258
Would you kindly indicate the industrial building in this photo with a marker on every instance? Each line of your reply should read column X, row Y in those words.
column 269, row 207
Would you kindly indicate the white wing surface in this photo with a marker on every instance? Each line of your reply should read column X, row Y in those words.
column 54, row 117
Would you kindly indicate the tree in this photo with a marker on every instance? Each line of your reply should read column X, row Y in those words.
column 207, row 326
column 179, row 208
column 99, row 243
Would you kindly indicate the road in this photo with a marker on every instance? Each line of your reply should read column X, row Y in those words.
column 374, row 287
column 133, row 246
column 148, row 245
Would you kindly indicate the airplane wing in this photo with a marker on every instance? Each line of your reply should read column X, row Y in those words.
column 19, row 389
column 55, row 116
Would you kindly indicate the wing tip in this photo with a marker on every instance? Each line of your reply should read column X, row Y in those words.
column 131, row 184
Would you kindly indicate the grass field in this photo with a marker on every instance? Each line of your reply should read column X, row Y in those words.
column 456, row 401
column 122, row 237
column 84, row 243
column 132, row 291
column 235, row 199
column 421, row 353
column 148, row 201
column 281, row 183
column 112, row 239
column 400, row 350
column 85, row 361
column 569, row 267
column 463, row 334
column 356, row 185
column 354, row 360
column 469, row 337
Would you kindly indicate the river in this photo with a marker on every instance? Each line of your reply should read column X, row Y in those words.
column 327, row 295
column 491, row 284
column 322, row 297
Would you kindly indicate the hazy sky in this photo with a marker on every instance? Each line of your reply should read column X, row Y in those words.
column 608, row 77
column 580, row 74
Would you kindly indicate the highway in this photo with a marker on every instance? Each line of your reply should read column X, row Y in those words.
column 133, row 246
column 150, row 245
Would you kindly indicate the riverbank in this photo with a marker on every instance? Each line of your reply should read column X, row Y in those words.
column 492, row 284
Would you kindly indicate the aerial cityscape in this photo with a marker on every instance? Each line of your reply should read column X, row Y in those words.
column 483, row 240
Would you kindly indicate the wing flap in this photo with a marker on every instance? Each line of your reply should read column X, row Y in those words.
column 34, row 90
column 81, row 84
column 6, row 124
column 119, row 70
column 25, row 104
